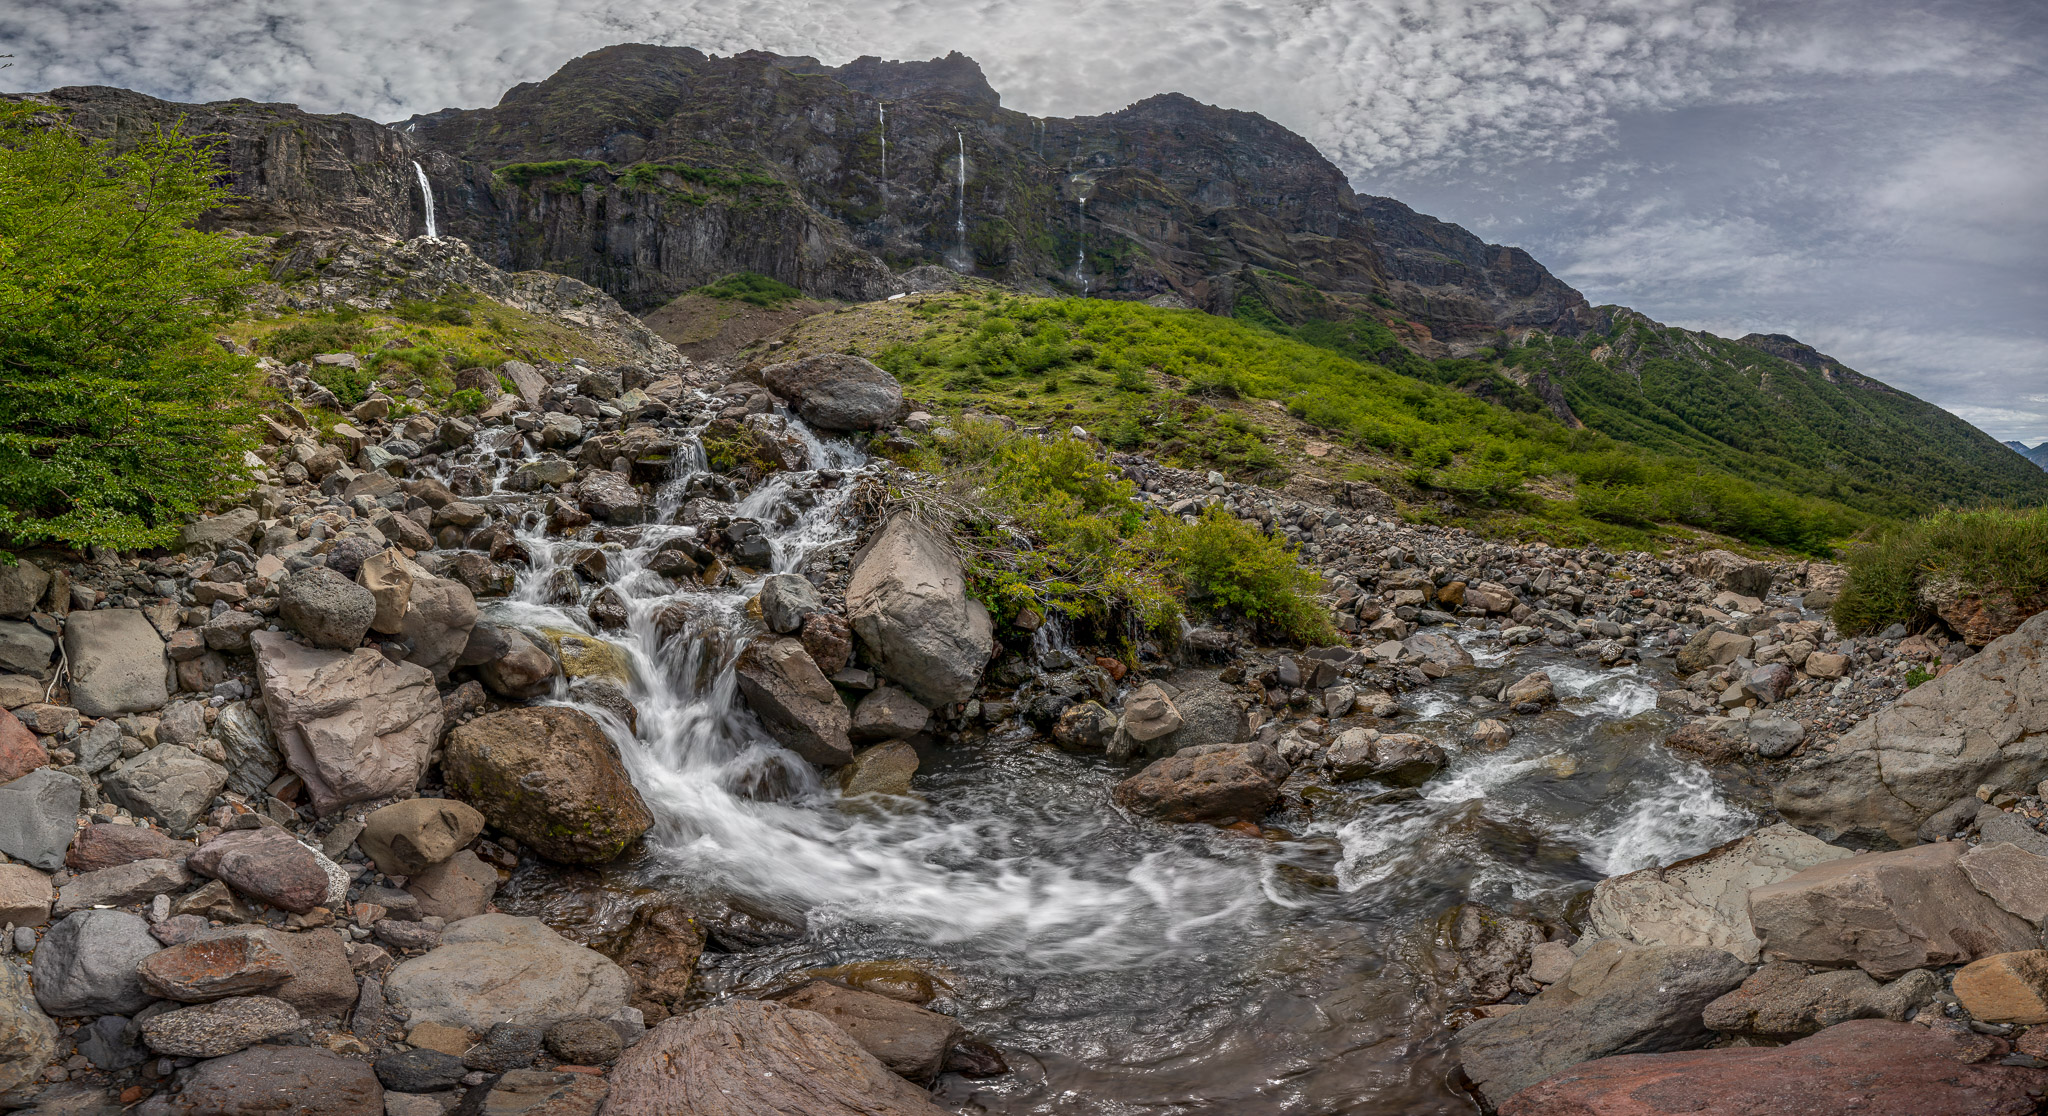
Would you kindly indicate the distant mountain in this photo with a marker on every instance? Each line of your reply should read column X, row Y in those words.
column 649, row 171
column 2038, row 455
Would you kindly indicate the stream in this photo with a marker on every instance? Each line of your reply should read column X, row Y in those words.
column 1120, row 965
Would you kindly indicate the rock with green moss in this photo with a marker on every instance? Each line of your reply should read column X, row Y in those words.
column 550, row 778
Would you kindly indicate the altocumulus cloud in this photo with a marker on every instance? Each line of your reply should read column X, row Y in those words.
column 1863, row 173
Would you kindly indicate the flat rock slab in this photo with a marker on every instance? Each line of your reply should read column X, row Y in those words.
column 497, row 967
column 908, row 1039
column 1854, row 1069
column 117, row 663
column 1704, row 901
column 274, row 1081
column 220, row 1028
column 38, row 815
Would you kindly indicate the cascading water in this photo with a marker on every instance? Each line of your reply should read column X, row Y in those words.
column 882, row 126
column 1116, row 961
column 960, row 202
column 1081, row 234
column 427, row 192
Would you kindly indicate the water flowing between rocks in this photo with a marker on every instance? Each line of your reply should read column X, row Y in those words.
column 1123, row 966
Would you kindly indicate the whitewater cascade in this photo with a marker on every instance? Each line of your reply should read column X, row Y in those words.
column 427, row 192
column 960, row 200
column 1081, row 261
column 882, row 121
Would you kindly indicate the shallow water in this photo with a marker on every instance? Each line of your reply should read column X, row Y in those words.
column 1122, row 966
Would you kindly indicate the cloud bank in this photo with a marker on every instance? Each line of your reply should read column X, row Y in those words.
column 1861, row 173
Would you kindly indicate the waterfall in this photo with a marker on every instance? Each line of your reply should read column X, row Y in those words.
column 1081, row 261
column 960, row 198
column 427, row 192
column 882, row 120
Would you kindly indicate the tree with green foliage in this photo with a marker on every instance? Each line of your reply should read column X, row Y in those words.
column 119, row 415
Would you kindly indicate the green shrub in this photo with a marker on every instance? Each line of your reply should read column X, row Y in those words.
column 119, row 415
column 329, row 331
column 1224, row 564
column 1991, row 551
column 350, row 385
column 468, row 401
column 755, row 290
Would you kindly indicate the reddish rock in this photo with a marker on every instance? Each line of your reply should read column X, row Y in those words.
column 19, row 752
column 266, row 864
column 110, row 846
column 1207, row 783
column 214, row 968
column 1854, row 1069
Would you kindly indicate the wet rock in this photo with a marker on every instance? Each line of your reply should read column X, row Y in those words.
column 787, row 601
column 1211, row 714
column 266, row 864
column 1149, row 714
column 611, row 497
column 1782, row 1000
column 888, row 713
column 274, row 1081
column 1489, row 951
column 38, row 815
column 406, row 838
column 549, row 777
column 794, row 701
column 86, row 964
column 509, row 663
column 608, row 610
column 457, row 888
column 659, row 950
column 25, row 896
column 837, row 391
column 214, row 968
column 1490, row 734
column 1618, row 999
column 420, row 1070
column 138, row 881
column 2005, row 987
column 327, row 608
column 828, row 639
column 220, row 1028
column 882, row 769
column 1209, row 783
column 438, row 620
column 906, row 598
column 1403, row 759
column 1703, row 901
column 1084, row 727
column 584, row 1040
column 1885, row 913
column 355, row 726
column 497, row 967
column 1532, row 688
column 28, row 1039
column 2013, row 878
column 1974, row 725
column 116, row 663
column 527, row 1092
column 506, row 1046
column 109, row 846
column 171, row 784
column 910, row 1040
column 747, row 1057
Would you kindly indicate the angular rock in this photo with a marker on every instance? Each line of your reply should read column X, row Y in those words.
column 787, row 601
column 1782, row 1000
column 798, row 706
column 1618, row 999
column 531, row 1092
column 110, row 846
column 829, row 640
column 406, row 838
column 1732, row 572
column 551, row 778
column 888, row 713
column 2004, row 827
column 1979, row 723
column 117, row 663
column 85, row 964
column 220, row 1028
column 25, row 896
column 138, row 881
column 749, row 1057
column 883, row 769
column 906, row 598
column 25, row 649
column 28, row 1039
column 837, row 391
column 328, row 609
column 323, row 985
column 611, row 498
column 1491, row 949
column 19, row 752
column 908, row 1039
column 1885, row 913
column 174, row 785
column 1403, row 759
column 457, row 888
column 1704, row 900
column 420, row 1070
column 1084, row 727
column 497, row 967
column 508, row 662
column 1533, row 687
column 266, row 864
column 355, row 726
column 2015, row 879
column 388, row 577
column 274, row 1081
column 2005, row 987
column 1149, row 714
column 22, row 585
column 438, row 620
column 38, row 815
column 197, row 972
column 1208, row 783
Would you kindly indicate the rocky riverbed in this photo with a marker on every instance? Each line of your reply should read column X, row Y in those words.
column 532, row 761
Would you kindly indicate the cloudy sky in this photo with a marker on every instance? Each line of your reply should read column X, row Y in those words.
column 1870, row 176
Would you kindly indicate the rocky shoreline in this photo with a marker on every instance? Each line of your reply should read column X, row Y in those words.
column 259, row 795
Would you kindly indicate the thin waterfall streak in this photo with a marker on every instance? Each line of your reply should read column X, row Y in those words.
column 427, row 192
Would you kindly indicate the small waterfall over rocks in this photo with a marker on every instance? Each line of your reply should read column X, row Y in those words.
column 427, row 192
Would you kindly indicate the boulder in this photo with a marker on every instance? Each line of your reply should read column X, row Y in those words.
column 611, row 497
column 906, row 598
column 829, row 640
column 38, row 815
column 220, row 1028
column 2005, row 987
column 273, row 1081
column 1731, row 572
column 509, row 663
column 1084, row 727
column 584, row 1040
column 1886, row 913
column 1531, row 688
column 883, row 769
column 437, row 622
column 22, row 585
column 1401, row 758
column 837, row 391
column 1854, row 1069
column 1981, row 722
column 328, row 609
column 25, row 896
column 659, row 950
column 1437, row 646
column 1703, row 901
column 1209, row 783
column 322, row 984
column 209, row 533
column 496, row 967
column 549, row 777
column 25, row 649
column 137, row 881
column 910, row 1040
column 420, row 1070
column 787, row 601
column 533, row 1092
column 117, row 663
column 354, row 725
column 85, row 964
column 28, row 1039
column 266, row 864
column 1712, row 647
column 388, row 577
column 888, row 713
column 1489, row 951
column 1782, row 1000
column 406, row 838
column 749, row 1057
column 2013, row 877
column 1212, row 714
column 174, row 785
column 1618, row 999
column 19, row 752
column 108, row 846
column 796, row 704
column 252, row 761
column 1149, row 714
column 457, row 888
column 214, row 968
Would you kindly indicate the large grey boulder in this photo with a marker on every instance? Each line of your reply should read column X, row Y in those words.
column 1703, row 901
column 508, row 663
column 1732, row 572
column 24, row 649
column 174, row 785
column 496, row 967
column 355, row 726
column 1212, row 715
column 38, row 815
column 327, row 608
column 837, row 391
column 907, row 600
column 28, row 1039
column 1210, row 783
column 549, row 777
column 787, row 601
column 116, row 661
column 794, row 701
column 86, row 964
column 1985, row 721
column 439, row 616
column 22, row 586
column 1617, row 999
column 207, row 535
column 294, row 1080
